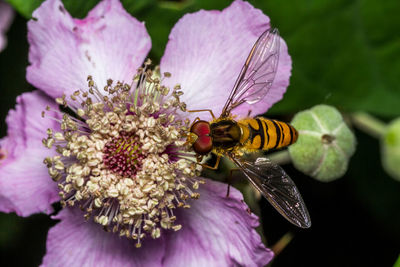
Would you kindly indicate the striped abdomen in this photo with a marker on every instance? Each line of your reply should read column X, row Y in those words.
column 265, row 134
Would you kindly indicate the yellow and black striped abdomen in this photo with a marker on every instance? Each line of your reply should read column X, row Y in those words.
column 265, row 134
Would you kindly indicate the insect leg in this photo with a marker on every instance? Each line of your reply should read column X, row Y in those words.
column 215, row 166
column 201, row 110
column 199, row 158
column 197, row 119
column 229, row 180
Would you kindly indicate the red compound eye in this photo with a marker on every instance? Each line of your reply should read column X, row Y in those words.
column 201, row 128
column 203, row 145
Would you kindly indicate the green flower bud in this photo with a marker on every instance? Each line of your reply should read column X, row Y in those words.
column 390, row 147
column 325, row 143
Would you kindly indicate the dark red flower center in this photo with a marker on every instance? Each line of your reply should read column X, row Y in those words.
column 123, row 155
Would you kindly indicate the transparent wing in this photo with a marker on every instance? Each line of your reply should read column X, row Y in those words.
column 277, row 187
column 257, row 74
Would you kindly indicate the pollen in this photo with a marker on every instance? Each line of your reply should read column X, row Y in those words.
column 122, row 157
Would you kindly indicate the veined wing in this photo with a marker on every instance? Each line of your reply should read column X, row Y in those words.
column 277, row 187
column 257, row 74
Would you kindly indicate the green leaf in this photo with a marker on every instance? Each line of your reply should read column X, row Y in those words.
column 77, row 8
column 397, row 263
column 345, row 53
column 135, row 6
column 25, row 7
column 159, row 22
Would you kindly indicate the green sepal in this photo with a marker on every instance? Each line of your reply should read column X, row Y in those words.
column 390, row 147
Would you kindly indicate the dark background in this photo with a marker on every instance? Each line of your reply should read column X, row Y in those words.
column 345, row 53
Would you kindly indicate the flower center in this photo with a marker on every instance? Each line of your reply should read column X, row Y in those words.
column 123, row 155
column 123, row 159
column 327, row 139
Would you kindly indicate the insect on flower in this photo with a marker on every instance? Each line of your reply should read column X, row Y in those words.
column 225, row 136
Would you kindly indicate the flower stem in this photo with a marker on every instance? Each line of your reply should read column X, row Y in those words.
column 368, row 124
column 280, row 157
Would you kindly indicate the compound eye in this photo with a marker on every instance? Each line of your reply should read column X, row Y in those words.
column 203, row 145
column 201, row 128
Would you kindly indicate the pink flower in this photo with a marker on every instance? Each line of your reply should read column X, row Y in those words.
column 205, row 53
column 6, row 17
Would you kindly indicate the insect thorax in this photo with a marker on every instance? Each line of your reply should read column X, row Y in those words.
column 225, row 134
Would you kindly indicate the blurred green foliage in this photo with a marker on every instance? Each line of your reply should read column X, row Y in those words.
column 345, row 53
column 397, row 263
column 390, row 147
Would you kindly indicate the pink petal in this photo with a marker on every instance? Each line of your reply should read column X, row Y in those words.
column 74, row 242
column 217, row 231
column 25, row 185
column 206, row 51
column 108, row 43
column 6, row 17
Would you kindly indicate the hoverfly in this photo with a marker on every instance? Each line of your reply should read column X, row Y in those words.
column 225, row 136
